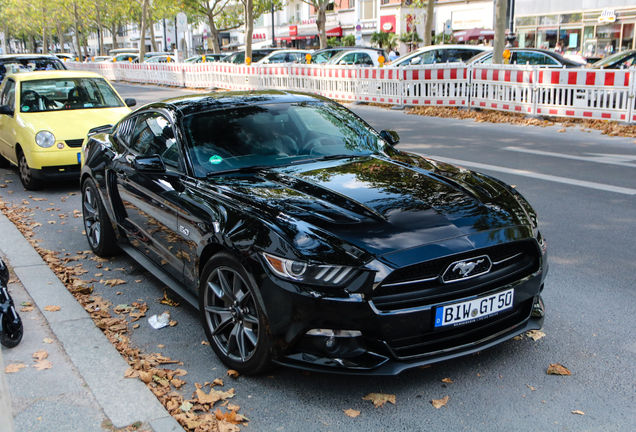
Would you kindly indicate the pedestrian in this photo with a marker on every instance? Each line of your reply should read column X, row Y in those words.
column 559, row 47
column 392, row 55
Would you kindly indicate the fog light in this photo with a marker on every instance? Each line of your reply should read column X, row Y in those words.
column 330, row 343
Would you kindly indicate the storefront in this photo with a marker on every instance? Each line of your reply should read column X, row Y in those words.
column 590, row 33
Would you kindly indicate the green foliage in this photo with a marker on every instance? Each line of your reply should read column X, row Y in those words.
column 411, row 39
column 349, row 40
column 333, row 42
column 380, row 39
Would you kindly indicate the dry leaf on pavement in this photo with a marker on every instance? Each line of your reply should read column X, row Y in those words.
column 114, row 282
column 44, row 364
column 217, row 381
column 447, row 381
column 205, row 343
column 232, row 373
column 40, row 355
column 351, row 413
column 578, row 412
column 535, row 334
column 26, row 309
column 558, row 369
column 561, row 130
column 438, row 403
column 47, row 340
column 13, row 368
column 225, row 426
column 52, row 308
column 379, row 399
column 167, row 301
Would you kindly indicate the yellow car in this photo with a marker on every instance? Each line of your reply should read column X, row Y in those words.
column 45, row 116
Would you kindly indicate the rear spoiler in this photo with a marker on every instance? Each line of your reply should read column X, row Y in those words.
column 99, row 129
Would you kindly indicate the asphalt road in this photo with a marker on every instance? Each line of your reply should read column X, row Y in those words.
column 582, row 185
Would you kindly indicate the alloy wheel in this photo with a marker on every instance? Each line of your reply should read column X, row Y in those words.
column 92, row 222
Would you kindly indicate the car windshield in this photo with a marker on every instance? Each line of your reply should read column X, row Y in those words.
column 613, row 58
column 29, row 65
column 274, row 135
column 67, row 94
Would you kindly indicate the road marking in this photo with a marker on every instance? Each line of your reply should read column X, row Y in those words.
column 547, row 177
column 611, row 159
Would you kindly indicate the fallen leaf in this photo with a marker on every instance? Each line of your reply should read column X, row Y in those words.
column 13, row 368
column 205, row 343
column 379, row 399
column 52, row 308
column 120, row 269
column 351, row 413
column 40, row 355
column 161, row 346
column 535, row 334
column 99, row 274
column 447, row 380
column 114, row 282
column 165, row 300
column 186, row 406
column 47, row 340
column 44, row 364
column 136, row 326
column 578, row 412
column 137, row 280
column 558, row 369
column 232, row 373
column 26, row 309
column 217, row 381
column 172, row 323
column 438, row 403
column 177, row 382
column 561, row 130
column 531, row 388
column 52, row 222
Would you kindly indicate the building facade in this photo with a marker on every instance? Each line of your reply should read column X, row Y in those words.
column 590, row 28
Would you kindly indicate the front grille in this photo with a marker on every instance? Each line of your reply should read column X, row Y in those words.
column 421, row 284
column 74, row 143
column 446, row 340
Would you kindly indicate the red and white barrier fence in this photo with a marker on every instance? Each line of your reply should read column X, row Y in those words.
column 577, row 93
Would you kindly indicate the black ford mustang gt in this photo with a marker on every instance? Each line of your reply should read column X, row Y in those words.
column 306, row 238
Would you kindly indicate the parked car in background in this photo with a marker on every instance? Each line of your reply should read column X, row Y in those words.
column 115, row 51
column 358, row 57
column 98, row 59
column 14, row 63
column 45, row 117
column 620, row 60
column 125, row 57
column 209, row 58
column 160, row 59
column 439, row 54
column 305, row 237
column 324, row 55
column 285, row 56
column 529, row 56
column 156, row 54
column 257, row 54
column 64, row 56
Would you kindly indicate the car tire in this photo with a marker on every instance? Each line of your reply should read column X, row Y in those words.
column 232, row 316
column 97, row 224
column 26, row 175
column 12, row 330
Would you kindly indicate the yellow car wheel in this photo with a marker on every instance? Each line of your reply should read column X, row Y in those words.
column 26, row 175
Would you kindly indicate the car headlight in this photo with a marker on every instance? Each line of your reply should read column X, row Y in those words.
column 45, row 139
column 300, row 271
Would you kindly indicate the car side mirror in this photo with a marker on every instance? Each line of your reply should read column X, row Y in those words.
column 416, row 60
column 6, row 109
column 152, row 163
column 130, row 102
column 390, row 136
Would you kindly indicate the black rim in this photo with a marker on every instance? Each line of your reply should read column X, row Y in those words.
column 91, row 217
column 231, row 314
column 25, row 172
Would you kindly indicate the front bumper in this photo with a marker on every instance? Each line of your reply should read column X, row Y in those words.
column 55, row 164
column 391, row 340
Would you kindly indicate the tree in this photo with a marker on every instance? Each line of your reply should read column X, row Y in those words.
column 500, row 31
column 349, row 40
column 381, row 39
column 428, row 26
column 321, row 20
column 411, row 39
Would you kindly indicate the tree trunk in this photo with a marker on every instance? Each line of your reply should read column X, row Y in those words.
column 428, row 26
column 100, row 30
column 213, row 35
column 321, row 22
column 142, row 35
column 60, row 36
column 78, row 44
column 113, row 32
column 500, row 31
column 249, row 27
column 151, row 26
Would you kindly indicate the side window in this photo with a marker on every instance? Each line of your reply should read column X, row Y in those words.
column 124, row 130
column 533, row 58
column 153, row 135
column 428, row 57
column 348, row 58
column 8, row 95
column 277, row 58
column 364, row 59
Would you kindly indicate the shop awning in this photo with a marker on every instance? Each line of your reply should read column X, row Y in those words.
column 334, row 32
column 307, row 34
column 474, row 34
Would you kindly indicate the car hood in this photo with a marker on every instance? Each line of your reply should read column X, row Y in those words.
column 378, row 204
column 71, row 124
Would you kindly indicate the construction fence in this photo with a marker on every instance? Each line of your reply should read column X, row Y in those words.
column 576, row 93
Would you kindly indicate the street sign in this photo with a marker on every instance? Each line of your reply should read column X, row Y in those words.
column 205, row 39
column 447, row 27
column 358, row 32
column 182, row 22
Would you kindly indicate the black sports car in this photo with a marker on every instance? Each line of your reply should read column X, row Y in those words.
column 306, row 238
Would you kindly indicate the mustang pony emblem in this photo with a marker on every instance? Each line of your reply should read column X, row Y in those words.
column 466, row 267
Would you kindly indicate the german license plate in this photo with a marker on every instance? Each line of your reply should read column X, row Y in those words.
column 473, row 310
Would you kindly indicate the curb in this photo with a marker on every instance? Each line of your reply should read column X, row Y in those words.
column 124, row 401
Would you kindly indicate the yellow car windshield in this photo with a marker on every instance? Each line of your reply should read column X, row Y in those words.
column 67, row 94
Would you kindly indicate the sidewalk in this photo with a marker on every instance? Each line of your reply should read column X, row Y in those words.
column 84, row 390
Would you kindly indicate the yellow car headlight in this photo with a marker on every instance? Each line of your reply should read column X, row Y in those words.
column 45, row 139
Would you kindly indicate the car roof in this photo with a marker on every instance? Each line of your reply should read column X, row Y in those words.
column 28, row 56
column 190, row 104
column 539, row 50
column 40, row 75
